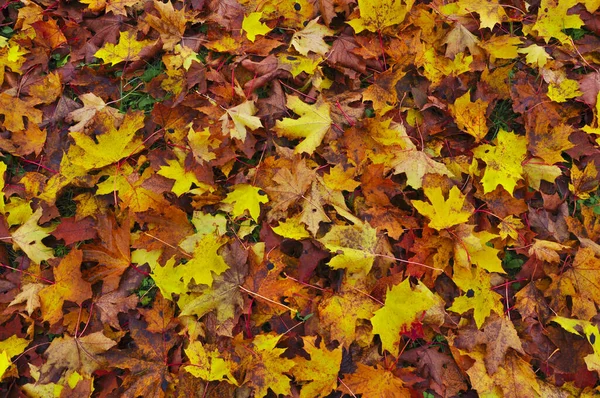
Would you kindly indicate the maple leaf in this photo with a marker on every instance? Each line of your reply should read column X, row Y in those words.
column 498, row 335
column 584, row 181
column 242, row 117
column 490, row 12
column 479, row 295
column 145, row 359
column 223, row 297
column 28, row 237
column 110, row 305
column 68, row 286
column 246, row 197
column 471, row 116
column 379, row 15
column 535, row 171
column 404, row 304
column 472, row 248
column 208, row 364
column 202, row 145
column 320, row 372
column 112, row 252
column 110, row 147
column 92, row 104
column 339, row 313
column 373, row 382
column 354, row 246
column 503, row 161
column 127, row 49
column 16, row 111
column 443, row 213
column 68, row 354
column 415, row 164
column 30, row 296
column 184, row 179
column 535, row 55
column 170, row 23
column 253, row 27
column 553, row 18
column 205, row 261
column 546, row 250
column 566, row 89
column 266, row 368
column 10, row 347
column 312, row 125
column 311, row 38
column 292, row 228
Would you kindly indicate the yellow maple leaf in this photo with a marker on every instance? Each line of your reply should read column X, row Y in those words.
column 297, row 64
column 312, row 125
column 246, row 197
column 339, row 312
column 253, row 27
column 319, row 374
column 404, row 304
column 354, row 246
column 205, row 261
column 510, row 226
column 546, row 250
column 339, row 179
column 374, row 382
column 184, row 179
column 292, row 228
column 202, row 145
column 535, row 170
column 127, row 49
column 553, row 18
column 535, row 55
column 490, row 11
column 28, row 237
column 503, row 161
column 168, row 278
column 502, row 47
column 9, row 348
column 376, row 15
column 471, row 248
column 415, row 164
column 443, row 213
column 311, row 38
column 111, row 146
column 208, row 364
column 470, row 116
column 242, row 117
column 479, row 296
column 566, row 89
column 269, row 368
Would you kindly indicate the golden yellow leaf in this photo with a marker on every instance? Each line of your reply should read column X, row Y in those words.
column 253, row 27
column 503, row 161
column 127, row 49
column 376, row 15
column 404, row 304
column 311, row 38
column 312, row 125
column 208, row 364
column 246, row 197
column 443, row 213
column 470, row 116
